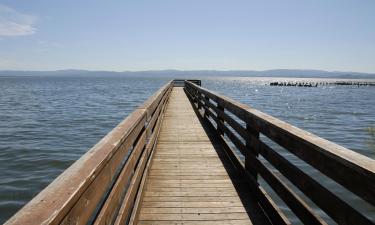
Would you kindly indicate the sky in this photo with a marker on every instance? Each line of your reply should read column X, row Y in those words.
column 121, row 35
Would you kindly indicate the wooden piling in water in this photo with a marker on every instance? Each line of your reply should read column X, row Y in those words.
column 320, row 83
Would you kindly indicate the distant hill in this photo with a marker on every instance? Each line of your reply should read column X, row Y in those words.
column 200, row 73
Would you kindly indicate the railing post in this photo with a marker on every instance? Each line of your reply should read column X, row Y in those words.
column 205, row 110
column 219, row 117
column 252, row 152
column 193, row 93
column 148, row 131
column 198, row 99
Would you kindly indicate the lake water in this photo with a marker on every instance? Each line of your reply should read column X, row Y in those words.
column 46, row 122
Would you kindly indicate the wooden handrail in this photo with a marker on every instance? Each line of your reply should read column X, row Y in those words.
column 353, row 171
column 101, row 186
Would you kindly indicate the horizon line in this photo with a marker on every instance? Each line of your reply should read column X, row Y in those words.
column 183, row 70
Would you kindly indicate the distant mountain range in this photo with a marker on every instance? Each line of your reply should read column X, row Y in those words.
column 200, row 73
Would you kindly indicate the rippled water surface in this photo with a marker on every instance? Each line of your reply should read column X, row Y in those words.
column 46, row 122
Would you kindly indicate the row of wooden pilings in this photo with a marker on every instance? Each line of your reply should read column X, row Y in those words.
column 321, row 83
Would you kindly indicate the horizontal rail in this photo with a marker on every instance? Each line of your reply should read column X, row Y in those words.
column 242, row 125
column 101, row 186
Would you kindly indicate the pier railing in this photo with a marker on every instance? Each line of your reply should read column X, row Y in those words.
column 181, row 83
column 103, row 185
column 239, row 128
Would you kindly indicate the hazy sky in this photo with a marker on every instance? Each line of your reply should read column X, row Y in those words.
column 187, row 34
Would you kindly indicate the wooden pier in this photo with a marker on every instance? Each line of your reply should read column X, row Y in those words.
column 191, row 156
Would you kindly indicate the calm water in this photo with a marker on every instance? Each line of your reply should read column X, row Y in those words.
column 46, row 123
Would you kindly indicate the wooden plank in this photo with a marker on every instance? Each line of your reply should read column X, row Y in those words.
column 196, row 156
column 188, row 177
column 188, row 159
column 193, row 185
column 179, row 181
column 190, row 199
column 193, row 210
column 192, row 204
column 192, row 189
column 194, row 216
column 213, row 222
column 191, row 193
column 186, row 173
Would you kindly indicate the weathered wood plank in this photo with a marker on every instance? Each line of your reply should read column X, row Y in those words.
column 192, row 189
column 201, row 204
column 193, row 185
column 191, row 193
column 193, row 210
column 183, row 222
column 187, row 177
column 194, row 216
column 190, row 199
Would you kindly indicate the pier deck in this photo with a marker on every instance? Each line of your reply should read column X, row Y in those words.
column 188, row 182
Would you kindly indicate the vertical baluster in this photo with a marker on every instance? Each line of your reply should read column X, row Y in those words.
column 221, row 109
column 198, row 94
column 205, row 110
column 252, row 151
column 194, row 93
